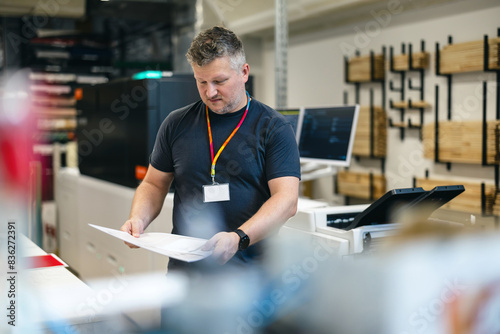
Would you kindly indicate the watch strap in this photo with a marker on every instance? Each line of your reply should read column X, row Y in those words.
column 244, row 239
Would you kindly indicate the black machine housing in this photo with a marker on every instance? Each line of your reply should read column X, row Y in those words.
column 117, row 123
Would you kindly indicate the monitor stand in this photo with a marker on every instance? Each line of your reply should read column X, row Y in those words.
column 311, row 171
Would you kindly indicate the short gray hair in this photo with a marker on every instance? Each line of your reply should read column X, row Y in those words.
column 214, row 43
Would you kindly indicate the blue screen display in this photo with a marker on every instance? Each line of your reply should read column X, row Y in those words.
column 326, row 133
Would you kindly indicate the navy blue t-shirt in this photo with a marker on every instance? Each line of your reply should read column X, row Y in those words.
column 262, row 149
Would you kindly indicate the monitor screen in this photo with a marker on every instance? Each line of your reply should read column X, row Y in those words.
column 326, row 134
column 291, row 115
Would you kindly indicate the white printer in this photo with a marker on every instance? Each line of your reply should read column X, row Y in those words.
column 356, row 229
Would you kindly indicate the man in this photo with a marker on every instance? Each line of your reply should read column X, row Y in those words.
column 234, row 160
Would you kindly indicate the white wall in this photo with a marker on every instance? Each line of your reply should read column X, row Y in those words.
column 316, row 78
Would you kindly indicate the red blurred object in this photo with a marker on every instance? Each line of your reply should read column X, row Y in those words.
column 43, row 261
column 15, row 150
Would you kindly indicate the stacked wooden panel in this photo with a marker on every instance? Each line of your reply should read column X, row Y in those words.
column 359, row 69
column 355, row 184
column 420, row 60
column 469, row 56
column 469, row 200
column 496, row 204
column 461, row 141
column 362, row 140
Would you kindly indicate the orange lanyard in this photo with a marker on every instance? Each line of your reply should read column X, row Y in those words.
column 214, row 159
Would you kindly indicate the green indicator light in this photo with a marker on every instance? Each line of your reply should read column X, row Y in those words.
column 147, row 75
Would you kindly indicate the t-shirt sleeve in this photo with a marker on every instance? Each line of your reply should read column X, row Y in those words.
column 161, row 157
column 282, row 153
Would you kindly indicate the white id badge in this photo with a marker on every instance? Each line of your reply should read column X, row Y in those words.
column 216, row 192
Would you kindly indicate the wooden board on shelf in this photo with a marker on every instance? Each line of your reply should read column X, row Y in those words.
column 419, row 104
column 461, row 141
column 399, row 104
column 415, row 125
column 407, row 105
column 468, row 57
column 355, row 184
column 469, row 200
column 399, row 125
column 420, row 60
column 361, row 145
column 359, row 69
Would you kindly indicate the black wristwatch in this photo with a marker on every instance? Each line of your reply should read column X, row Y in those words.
column 244, row 239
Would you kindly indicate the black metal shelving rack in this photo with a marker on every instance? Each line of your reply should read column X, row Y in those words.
column 400, row 89
column 357, row 88
column 449, row 81
column 419, row 88
column 411, row 86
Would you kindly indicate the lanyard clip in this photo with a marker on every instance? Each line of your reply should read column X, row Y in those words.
column 212, row 174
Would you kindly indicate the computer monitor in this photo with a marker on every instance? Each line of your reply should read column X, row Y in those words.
column 292, row 115
column 326, row 134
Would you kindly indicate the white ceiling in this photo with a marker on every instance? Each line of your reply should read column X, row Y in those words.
column 256, row 17
column 250, row 16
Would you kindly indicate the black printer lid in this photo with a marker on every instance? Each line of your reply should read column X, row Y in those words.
column 381, row 211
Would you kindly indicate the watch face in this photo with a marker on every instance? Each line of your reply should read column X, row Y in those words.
column 244, row 242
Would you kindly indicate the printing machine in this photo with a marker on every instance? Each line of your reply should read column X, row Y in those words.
column 357, row 229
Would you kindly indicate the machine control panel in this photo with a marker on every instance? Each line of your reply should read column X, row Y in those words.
column 340, row 220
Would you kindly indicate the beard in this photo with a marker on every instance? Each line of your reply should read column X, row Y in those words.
column 231, row 106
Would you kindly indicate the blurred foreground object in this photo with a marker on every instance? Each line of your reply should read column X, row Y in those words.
column 429, row 279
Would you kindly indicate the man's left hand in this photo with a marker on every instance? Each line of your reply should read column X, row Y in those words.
column 223, row 246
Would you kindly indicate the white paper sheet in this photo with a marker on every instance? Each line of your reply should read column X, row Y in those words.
column 175, row 246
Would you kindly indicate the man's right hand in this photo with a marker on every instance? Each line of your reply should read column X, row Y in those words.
column 134, row 227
